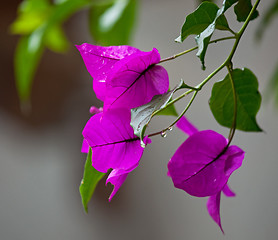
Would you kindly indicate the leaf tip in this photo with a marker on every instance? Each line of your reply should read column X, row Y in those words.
column 178, row 39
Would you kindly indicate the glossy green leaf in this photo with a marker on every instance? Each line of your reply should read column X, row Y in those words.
column 91, row 177
column 242, row 10
column 204, row 37
column 141, row 116
column 248, row 100
column 200, row 19
column 111, row 23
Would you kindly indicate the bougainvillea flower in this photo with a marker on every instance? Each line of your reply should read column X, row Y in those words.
column 135, row 80
column 114, row 145
column 100, row 60
column 203, row 164
column 123, row 76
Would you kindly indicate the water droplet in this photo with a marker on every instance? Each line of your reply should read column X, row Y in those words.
column 214, row 180
column 170, row 129
column 163, row 134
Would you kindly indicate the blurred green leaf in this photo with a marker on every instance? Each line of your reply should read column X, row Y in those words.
column 242, row 10
column 56, row 40
column 200, row 19
column 31, row 14
column 272, row 88
column 46, row 32
column 91, row 177
column 111, row 22
column 27, row 56
column 248, row 100
column 270, row 14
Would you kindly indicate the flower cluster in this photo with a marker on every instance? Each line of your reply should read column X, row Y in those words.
column 125, row 78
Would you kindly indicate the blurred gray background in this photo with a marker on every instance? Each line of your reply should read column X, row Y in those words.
column 41, row 165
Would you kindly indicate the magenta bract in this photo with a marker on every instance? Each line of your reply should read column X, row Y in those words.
column 203, row 164
column 100, row 60
column 123, row 76
column 114, row 145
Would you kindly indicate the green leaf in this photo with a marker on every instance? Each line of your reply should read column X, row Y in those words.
column 141, row 116
column 30, row 47
column 31, row 14
column 91, row 177
column 56, row 40
column 169, row 111
column 111, row 23
column 200, row 19
column 242, row 10
column 27, row 56
column 248, row 100
column 204, row 37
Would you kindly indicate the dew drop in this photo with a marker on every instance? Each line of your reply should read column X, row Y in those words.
column 170, row 129
column 163, row 134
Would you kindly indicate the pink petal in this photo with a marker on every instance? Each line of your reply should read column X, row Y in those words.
column 112, row 140
column 94, row 110
column 186, row 126
column 85, row 146
column 227, row 191
column 135, row 80
column 213, row 206
column 100, row 60
column 197, row 168
column 116, row 178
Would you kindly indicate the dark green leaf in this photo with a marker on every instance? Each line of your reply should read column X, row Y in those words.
column 200, row 19
column 91, row 177
column 204, row 37
column 202, row 41
column 141, row 116
column 111, row 23
column 248, row 100
column 242, row 10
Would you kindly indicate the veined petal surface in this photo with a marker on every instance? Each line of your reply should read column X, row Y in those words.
column 112, row 140
column 135, row 80
column 100, row 60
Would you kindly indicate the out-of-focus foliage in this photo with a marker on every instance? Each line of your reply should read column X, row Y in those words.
column 111, row 22
column 40, row 24
column 267, row 18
